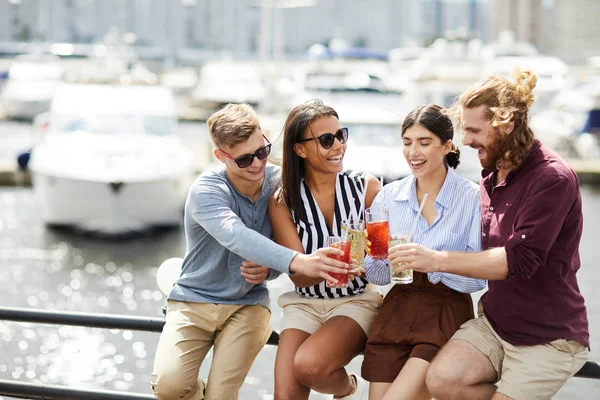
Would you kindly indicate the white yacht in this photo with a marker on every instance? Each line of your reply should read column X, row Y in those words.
column 32, row 80
column 571, row 124
column 181, row 81
column 109, row 159
column 443, row 71
column 227, row 82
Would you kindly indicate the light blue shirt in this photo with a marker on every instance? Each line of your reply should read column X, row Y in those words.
column 223, row 228
column 457, row 225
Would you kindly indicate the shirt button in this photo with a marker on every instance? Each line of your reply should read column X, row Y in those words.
column 491, row 208
column 522, row 236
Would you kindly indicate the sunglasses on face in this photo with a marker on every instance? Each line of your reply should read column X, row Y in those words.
column 327, row 139
column 247, row 159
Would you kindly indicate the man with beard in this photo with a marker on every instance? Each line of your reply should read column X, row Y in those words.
column 532, row 330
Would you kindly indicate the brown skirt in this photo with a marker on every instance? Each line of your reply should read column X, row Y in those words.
column 415, row 320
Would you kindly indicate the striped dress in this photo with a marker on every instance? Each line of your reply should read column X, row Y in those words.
column 349, row 194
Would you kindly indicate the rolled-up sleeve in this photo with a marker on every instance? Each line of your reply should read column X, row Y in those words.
column 538, row 223
column 209, row 207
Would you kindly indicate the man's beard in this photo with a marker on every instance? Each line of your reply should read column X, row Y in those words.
column 496, row 151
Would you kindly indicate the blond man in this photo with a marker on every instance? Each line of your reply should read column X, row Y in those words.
column 221, row 299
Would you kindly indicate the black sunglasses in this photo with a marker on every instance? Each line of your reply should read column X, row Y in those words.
column 246, row 160
column 327, row 139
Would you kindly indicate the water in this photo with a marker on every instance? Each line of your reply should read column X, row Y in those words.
column 61, row 270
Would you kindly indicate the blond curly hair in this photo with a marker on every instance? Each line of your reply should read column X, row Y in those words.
column 506, row 102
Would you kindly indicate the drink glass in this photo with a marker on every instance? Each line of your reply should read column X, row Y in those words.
column 353, row 228
column 378, row 229
column 406, row 276
column 342, row 243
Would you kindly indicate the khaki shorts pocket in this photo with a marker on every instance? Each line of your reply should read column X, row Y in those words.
column 571, row 347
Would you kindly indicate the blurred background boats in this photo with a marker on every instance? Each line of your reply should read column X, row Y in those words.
column 30, row 84
column 372, row 90
column 571, row 122
column 221, row 83
column 109, row 159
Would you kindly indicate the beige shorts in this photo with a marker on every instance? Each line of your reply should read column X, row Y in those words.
column 308, row 314
column 525, row 372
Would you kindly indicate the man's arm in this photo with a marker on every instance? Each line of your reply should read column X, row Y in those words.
column 491, row 264
column 210, row 208
column 540, row 221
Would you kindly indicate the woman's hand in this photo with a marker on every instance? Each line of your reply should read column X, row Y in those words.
column 254, row 273
column 320, row 264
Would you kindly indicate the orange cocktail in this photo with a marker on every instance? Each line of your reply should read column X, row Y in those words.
column 378, row 230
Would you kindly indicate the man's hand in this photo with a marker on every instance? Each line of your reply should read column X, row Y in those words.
column 254, row 273
column 415, row 257
column 319, row 264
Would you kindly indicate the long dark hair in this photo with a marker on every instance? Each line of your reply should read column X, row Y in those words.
column 433, row 118
column 292, row 166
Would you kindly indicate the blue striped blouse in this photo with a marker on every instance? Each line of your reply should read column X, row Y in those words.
column 457, row 225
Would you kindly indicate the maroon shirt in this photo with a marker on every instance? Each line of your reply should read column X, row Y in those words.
column 536, row 216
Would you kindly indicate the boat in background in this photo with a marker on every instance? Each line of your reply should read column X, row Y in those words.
column 31, row 83
column 507, row 45
column 571, row 125
column 181, row 81
column 442, row 72
column 222, row 83
column 109, row 159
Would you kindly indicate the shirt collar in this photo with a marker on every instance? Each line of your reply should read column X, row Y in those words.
column 408, row 190
column 487, row 175
column 444, row 198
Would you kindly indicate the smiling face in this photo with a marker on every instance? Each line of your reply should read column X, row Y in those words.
column 478, row 133
column 424, row 151
column 253, row 173
column 315, row 156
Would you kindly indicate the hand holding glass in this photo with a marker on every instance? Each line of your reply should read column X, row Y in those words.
column 341, row 243
column 399, row 276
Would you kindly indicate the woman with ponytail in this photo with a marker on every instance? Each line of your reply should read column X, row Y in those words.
column 417, row 319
